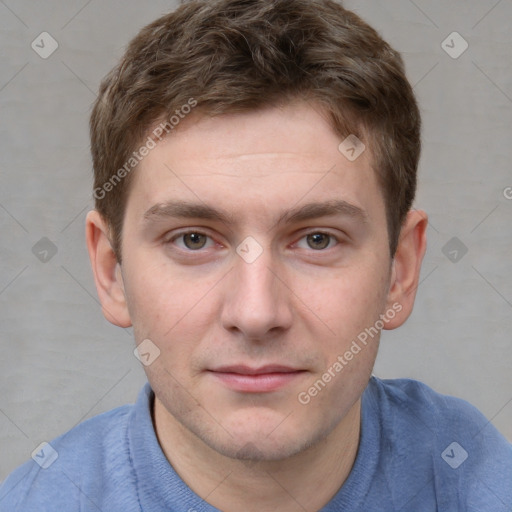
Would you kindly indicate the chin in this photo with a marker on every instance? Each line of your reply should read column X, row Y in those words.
column 259, row 450
column 268, row 442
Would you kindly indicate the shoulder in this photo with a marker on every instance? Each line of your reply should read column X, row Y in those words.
column 417, row 402
column 447, row 437
column 69, row 468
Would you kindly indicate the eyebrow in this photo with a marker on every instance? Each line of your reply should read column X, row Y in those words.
column 185, row 209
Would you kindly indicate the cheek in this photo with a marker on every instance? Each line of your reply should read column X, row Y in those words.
column 171, row 311
column 348, row 299
column 159, row 297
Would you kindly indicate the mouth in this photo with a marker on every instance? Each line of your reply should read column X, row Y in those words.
column 264, row 379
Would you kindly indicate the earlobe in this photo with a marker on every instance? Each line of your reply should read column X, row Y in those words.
column 406, row 267
column 107, row 271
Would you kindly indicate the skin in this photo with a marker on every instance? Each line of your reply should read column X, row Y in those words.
column 301, row 303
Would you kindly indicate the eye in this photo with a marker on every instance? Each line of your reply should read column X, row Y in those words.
column 319, row 241
column 191, row 240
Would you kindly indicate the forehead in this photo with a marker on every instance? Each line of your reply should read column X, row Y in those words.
column 297, row 126
column 270, row 157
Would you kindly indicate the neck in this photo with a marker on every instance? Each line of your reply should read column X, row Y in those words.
column 305, row 482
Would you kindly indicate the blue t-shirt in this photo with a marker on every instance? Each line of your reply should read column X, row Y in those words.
column 419, row 451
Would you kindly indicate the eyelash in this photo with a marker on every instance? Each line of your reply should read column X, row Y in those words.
column 197, row 232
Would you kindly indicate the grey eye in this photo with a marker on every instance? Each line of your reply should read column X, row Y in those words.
column 318, row 241
column 194, row 240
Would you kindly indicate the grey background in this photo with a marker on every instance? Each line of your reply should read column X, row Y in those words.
column 62, row 362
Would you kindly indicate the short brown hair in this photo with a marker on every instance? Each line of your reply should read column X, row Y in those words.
column 240, row 55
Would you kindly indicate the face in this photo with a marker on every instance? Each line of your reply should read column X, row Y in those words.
column 254, row 254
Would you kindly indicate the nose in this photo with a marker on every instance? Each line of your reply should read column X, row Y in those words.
column 257, row 301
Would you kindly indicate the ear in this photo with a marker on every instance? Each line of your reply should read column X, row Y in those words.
column 406, row 267
column 107, row 271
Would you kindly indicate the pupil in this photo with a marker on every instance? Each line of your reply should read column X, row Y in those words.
column 317, row 239
column 195, row 239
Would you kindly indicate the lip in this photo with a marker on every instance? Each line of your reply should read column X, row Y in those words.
column 256, row 380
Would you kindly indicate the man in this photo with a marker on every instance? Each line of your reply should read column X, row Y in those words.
column 255, row 168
